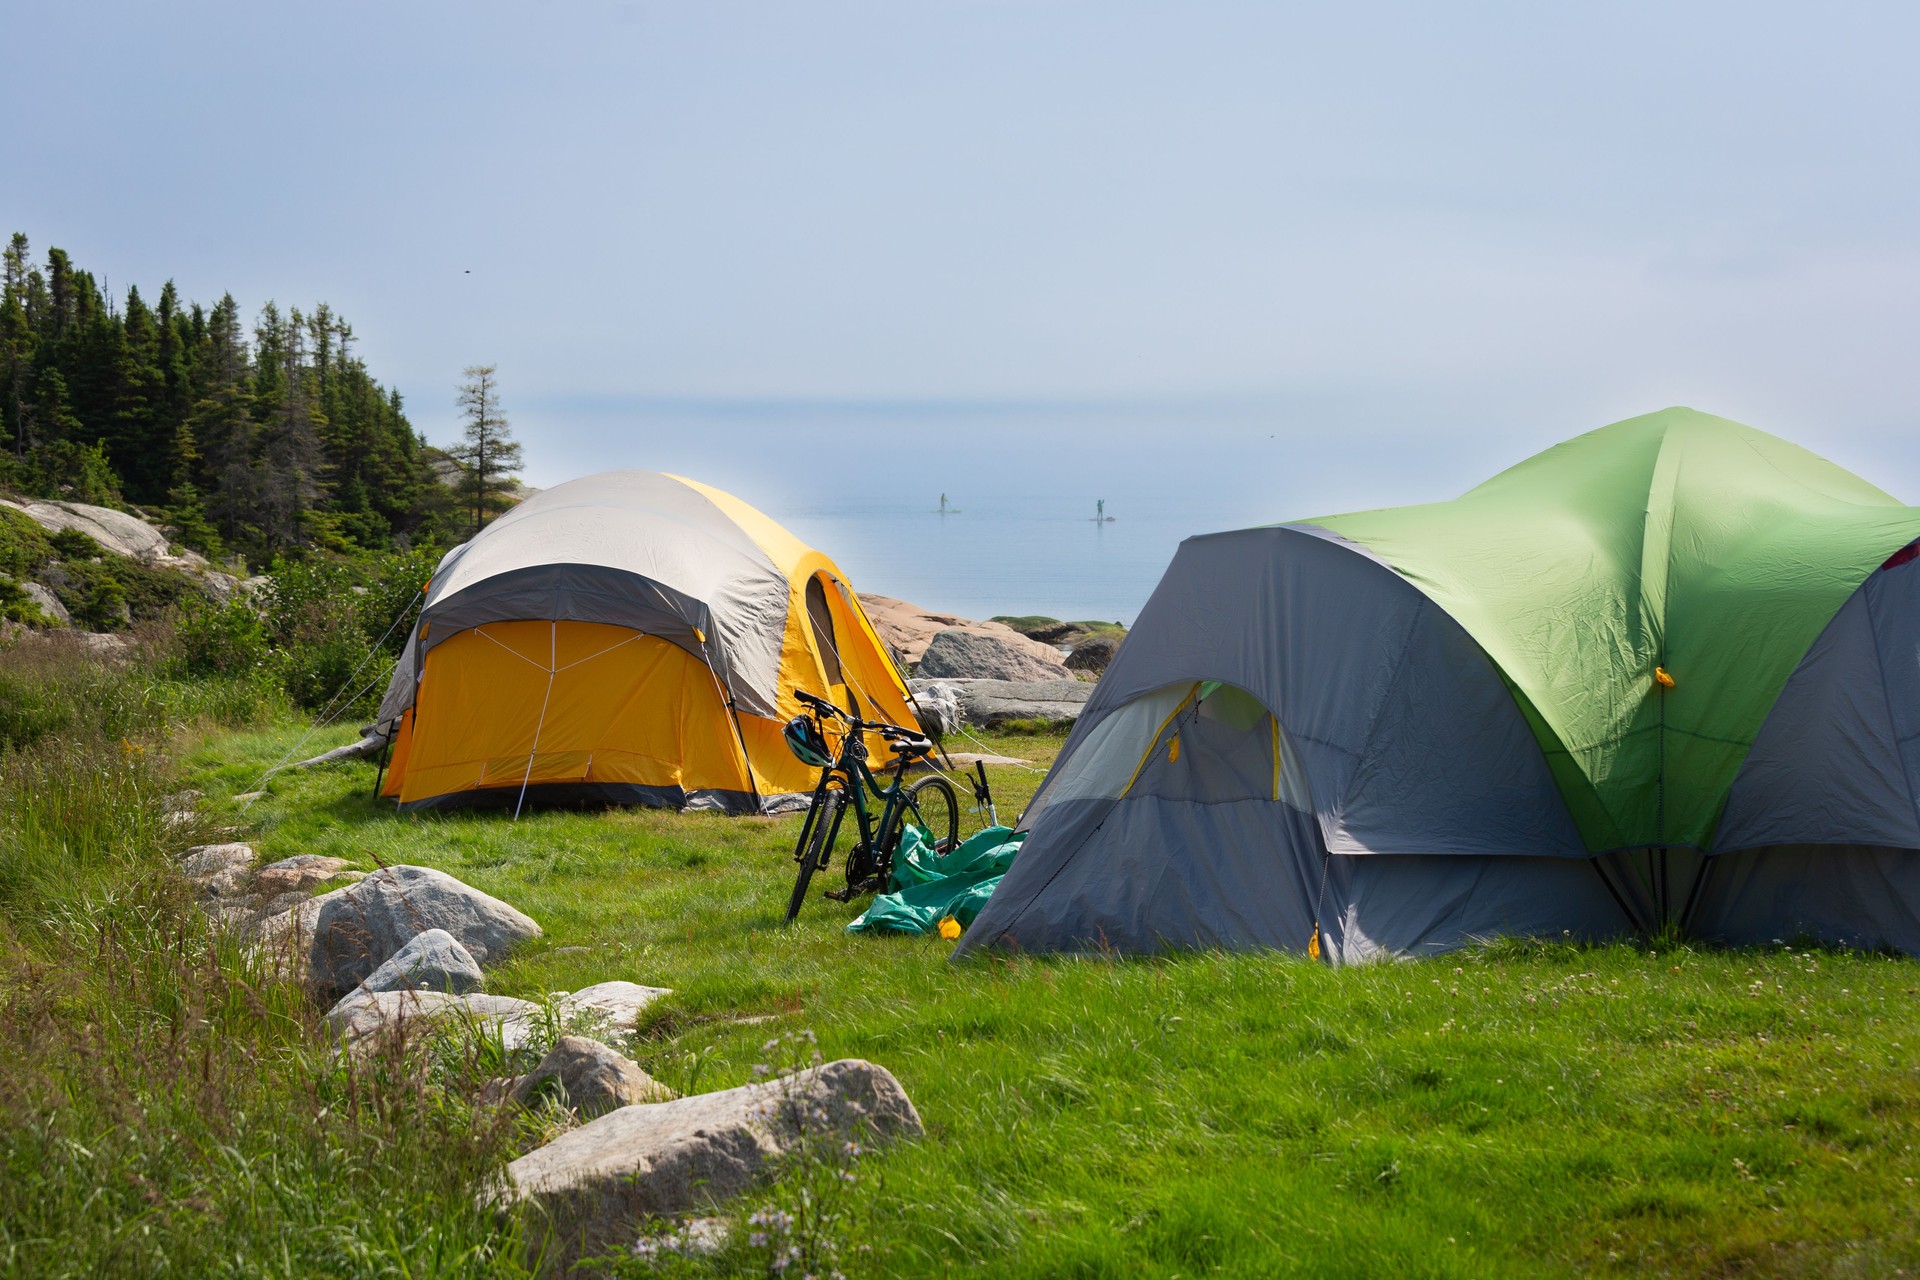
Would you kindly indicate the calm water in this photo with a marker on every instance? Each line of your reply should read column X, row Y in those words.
column 1012, row 555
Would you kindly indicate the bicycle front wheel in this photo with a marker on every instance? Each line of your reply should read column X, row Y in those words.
column 933, row 806
column 826, row 824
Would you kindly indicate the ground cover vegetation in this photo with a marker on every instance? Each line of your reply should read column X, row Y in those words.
column 262, row 441
column 171, row 1107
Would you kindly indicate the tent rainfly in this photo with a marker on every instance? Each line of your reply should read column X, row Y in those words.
column 627, row 638
column 1665, row 673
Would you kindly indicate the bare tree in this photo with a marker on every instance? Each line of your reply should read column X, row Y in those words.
column 490, row 453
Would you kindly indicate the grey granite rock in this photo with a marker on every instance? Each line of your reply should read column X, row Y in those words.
column 958, row 654
column 665, row 1158
column 589, row 1078
column 358, row 930
column 431, row 961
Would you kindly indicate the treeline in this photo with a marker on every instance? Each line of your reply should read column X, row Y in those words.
column 262, row 441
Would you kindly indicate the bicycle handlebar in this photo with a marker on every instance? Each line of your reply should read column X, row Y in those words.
column 898, row 734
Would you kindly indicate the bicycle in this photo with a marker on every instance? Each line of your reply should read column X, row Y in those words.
column 846, row 779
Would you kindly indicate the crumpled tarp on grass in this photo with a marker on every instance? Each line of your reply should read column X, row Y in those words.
column 927, row 887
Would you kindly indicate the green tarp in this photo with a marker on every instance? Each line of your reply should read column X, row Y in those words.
column 927, row 887
column 1678, row 541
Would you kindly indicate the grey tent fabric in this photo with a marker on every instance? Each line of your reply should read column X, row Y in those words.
column 1421, row 802
column 636, row 549
column 1837, row 760
column 1841, row 895
column 1409, row 740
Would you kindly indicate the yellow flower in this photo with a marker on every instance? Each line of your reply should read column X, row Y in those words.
column 949, row 928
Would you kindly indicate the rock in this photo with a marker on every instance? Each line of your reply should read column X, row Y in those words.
column 608, row 1008
column 302, row 871
column 115, row 531
column 992, row 702
column 665, row 1158
column 220, row 587
column 285, row 936
column 431, row 961
column 218, row 870
column 939, row 706
column 589, row 1078
column 48, row 603
column 363, row 1015
column 281, row 902
column 1093, row 654
column 958, row 654
column 907, row 629
column 245, row 798
column 188, row 799
column 103, row 645
column 358, row 930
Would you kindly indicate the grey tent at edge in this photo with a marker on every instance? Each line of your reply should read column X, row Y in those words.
column 1298, row 745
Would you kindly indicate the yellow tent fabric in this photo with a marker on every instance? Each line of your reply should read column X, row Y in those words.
column 630, row 638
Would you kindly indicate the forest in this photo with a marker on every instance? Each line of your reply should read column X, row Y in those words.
column 263, row 441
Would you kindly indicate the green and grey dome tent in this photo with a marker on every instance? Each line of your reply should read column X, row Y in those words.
column 1666, row 672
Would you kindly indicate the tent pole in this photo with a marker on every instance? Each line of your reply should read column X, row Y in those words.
column 1618, row 901
column 1693, row 896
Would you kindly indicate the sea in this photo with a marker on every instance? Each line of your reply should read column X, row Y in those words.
column 1009, row 554
column 1023, row 487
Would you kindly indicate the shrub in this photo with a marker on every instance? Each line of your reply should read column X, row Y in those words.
column 219, row 640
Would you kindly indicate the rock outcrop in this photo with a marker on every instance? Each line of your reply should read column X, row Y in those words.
column 994, row 702
column 907, row 629
column 356, row 931
column 666, row 1158
column 962, row 654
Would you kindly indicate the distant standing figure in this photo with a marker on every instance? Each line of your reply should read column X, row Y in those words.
column 1100, row 510
column 943, row 504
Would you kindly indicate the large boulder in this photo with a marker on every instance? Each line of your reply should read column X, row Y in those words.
column 961, row 654
column 431, row 961
column 907, row 629
column 666, row 1158
column 994, row 702
column 588, row 1078
column 359, row 929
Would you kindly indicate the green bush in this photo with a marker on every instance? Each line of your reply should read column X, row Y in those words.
column 325, row 617
column 23, row 545
column 219, row 640
column 72, row 544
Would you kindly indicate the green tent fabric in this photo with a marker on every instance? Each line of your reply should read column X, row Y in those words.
column 1677, row 540
column 928, row 887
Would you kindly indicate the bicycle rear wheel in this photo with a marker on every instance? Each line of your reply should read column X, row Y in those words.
column 826, row 825
column 934, row 807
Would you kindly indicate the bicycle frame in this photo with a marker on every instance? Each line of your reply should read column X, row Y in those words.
column 857, row 779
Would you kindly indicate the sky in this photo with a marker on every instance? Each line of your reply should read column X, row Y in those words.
column 1308, row 258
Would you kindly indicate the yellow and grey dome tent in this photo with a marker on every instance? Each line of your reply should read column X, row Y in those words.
column 627, row 638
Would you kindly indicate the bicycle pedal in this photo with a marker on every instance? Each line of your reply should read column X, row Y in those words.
column 839, row 895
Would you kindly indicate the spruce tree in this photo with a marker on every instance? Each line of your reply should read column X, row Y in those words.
column 489, row 453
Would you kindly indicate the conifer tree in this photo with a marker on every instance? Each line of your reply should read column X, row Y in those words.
column 489, row 453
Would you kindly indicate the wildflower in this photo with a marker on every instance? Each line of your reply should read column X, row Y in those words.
column 770, row 1045
column 758, row 1239
column 761, row 1069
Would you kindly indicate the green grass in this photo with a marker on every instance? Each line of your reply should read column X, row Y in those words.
column 1523, row 1109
